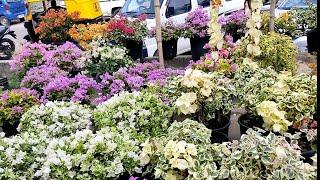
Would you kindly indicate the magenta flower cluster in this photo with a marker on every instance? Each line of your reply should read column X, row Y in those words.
column 37, row 54
column 197, row 23
column 135, row 78
column 38, row 77
column 237, row 17
column 78, row 89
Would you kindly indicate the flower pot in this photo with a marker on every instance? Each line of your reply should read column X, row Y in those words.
column 4, row 84
column 312, row 41
column 218, row 137
column 307, row 156
column 197, row 49
column 10, row 129
column 135, row 49
column 222, row 126
column 247, row 121
column 169, row 48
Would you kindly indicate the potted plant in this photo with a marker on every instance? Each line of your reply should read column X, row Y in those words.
column 196, row 28
column 129, row 33
column 54, row 26
column 234, row 24
column 170, row 32
column 306, row 20
column 13, row 104
column 308, row 138
column 208, row 97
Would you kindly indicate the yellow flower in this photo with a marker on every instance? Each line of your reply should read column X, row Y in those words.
column 181, row 164
column 144, row 159
column 185, row 103
column 253, row 50
column 191, row 149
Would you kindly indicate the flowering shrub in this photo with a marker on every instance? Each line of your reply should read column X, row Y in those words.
column 277, row 51
column 169, row 31
column 196, row 24
column 205, row 93
column 135, row 78
column 66, row 57
column 141, row 114
column 54, row 25
column 267, row 157
column 178, row 155
column 38, row 77
column 306, row 18
column 85, row 33
column 57, row 119
column 77, row 89
column 107, row 58
column 284, row 24
column 14, row 103
column 122, row 29
column 103, row 155
column 234, row 24
column 296, row 95
column 272, row 117
column 31, row 55
column 83, row 154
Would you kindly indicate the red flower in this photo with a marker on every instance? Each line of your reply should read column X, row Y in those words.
column 128, row 31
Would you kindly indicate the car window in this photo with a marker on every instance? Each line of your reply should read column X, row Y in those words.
column 204, row 3
column 178, row 7
column 289, row 4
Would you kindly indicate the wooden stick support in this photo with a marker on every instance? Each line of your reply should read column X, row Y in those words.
column 158, row 28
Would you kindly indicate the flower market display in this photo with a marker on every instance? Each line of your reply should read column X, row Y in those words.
column 96, row 113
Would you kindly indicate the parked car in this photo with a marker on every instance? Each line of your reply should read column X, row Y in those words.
column 111, row 7
column 177, row 11
column 11, row 10
column 285, row 5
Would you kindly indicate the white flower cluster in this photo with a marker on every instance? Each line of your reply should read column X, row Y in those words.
column 83, row 155
column 142, row 114
column 201, row 88
column 253, row 25
column 112, row 52
column 56, row 118
column 216, row 37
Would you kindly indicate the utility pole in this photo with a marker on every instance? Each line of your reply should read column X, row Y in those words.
column 158, row 28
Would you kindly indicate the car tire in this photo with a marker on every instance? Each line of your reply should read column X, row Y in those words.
column 4, row 21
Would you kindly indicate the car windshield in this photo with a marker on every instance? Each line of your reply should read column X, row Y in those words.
column 289, row 4
column 134, row 8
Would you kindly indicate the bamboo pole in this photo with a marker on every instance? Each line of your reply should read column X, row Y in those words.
column 158, row 28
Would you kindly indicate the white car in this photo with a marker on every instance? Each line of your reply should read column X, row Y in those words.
column 108, row 7
column 285, row 5
column 111, row 7
column 175, row 10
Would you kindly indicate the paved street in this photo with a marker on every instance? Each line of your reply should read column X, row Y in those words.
column 20, row 31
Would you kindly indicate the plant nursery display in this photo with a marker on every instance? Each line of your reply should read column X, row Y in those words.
column 95, row 113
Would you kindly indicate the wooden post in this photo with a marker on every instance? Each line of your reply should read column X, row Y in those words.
column 158, row 28
column 272, row 15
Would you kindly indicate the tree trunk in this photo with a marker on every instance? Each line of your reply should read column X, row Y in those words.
column 158, row 28
column 272, row 15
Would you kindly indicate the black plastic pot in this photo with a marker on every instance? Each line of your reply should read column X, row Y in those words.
column 222, row 127
column 197, row 49
column 10, row 129
column 247, row 121
column 307, row 156
column 218, row 137
column 312, row 41
column 169, row 48
column 4, row 84
column 135, row 49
